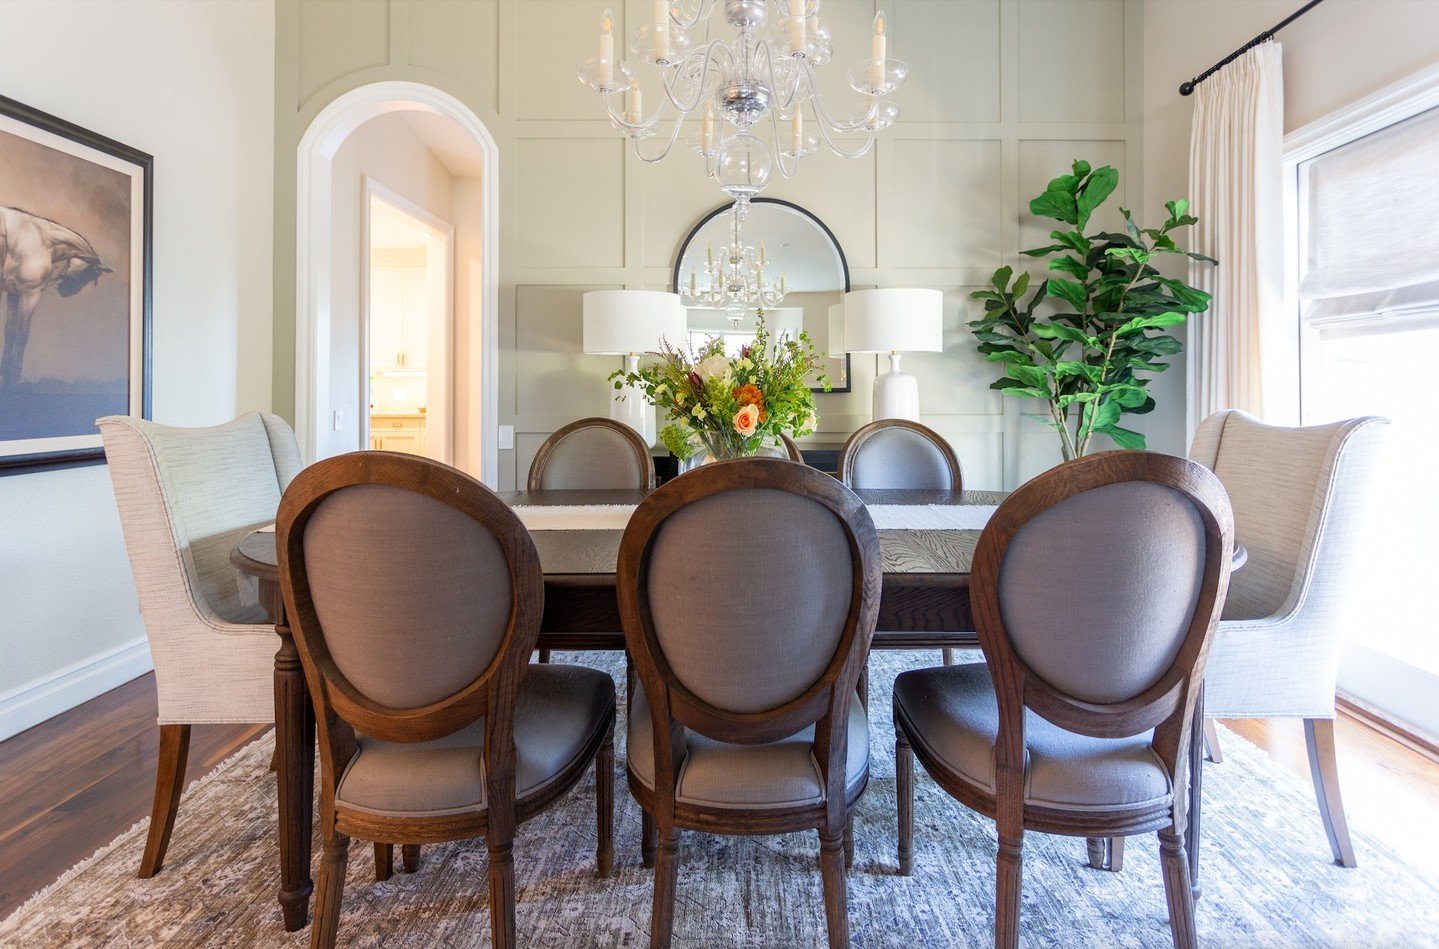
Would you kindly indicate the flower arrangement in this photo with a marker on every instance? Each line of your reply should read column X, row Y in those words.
column 731, row 406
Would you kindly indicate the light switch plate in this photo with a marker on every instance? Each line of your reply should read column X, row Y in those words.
column 339, row 422
column 507, row 437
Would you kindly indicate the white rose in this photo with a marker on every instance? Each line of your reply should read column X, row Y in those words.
column 713, row 367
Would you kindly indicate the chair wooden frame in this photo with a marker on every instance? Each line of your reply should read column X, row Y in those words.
column 1168, row 706
column 673, row 708
column 791, row 448
column 341, row 709
column 641, row 450
column 855, row 443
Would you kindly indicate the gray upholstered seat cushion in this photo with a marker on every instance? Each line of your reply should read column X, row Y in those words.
column 900, row 458
column 717, row 774
column 557, row 713
column 953, row 714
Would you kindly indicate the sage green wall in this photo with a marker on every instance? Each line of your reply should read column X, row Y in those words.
column 1002, row 95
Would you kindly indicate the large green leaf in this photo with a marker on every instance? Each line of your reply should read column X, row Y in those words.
column 1124, row 438
column 1068, row 290
column 1099, row 186
column 1158, row 321
column 1065, row 332
column 1029, row 375
column 1059, row 205
column 1001, row 278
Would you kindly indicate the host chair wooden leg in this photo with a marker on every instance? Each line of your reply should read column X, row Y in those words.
column 169, row 782
column 1324, row 769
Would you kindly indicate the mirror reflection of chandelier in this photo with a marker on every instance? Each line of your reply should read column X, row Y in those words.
column 757, row 85
column 735, row 277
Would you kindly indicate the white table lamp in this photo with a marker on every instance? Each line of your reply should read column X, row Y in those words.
column 627, row 323
column 894, row 321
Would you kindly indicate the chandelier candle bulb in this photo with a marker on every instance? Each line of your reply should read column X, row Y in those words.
column 877, row 53
column 662, row 30
column 634, row 104
column 797, row 34
column 796, row 132
column 607, row 50
column 707, row 131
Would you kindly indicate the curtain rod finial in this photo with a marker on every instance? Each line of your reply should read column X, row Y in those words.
column 1186, row 88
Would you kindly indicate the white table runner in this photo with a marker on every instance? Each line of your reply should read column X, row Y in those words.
column 578, row 517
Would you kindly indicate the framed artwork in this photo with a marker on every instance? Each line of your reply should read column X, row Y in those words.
column 75, row 276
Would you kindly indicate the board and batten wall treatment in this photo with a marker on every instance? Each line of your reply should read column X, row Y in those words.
column 1002, row 95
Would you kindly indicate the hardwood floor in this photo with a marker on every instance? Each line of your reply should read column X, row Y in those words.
column 71, row 785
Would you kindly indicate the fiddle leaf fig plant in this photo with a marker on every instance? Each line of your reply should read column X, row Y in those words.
column 1092, row 354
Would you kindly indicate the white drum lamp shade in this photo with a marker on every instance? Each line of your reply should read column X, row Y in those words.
column 627, row 323
column 894, row 321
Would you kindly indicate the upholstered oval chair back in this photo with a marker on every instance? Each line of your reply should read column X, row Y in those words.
column 412, row 596
column 1098, row 591
column 749, row 591
column 594, row 453
column 898, row 454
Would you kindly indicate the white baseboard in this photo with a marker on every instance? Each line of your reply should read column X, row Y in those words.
column 31, row 704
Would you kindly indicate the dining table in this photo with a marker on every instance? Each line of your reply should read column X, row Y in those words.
column 927, row 539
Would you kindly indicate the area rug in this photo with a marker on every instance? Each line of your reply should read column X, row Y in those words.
column 1267, row 876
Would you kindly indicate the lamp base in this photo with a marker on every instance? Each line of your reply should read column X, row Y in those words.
column 630, row 406
column 896, row 394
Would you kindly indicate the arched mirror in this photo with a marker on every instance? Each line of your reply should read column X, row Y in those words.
column 797, row 249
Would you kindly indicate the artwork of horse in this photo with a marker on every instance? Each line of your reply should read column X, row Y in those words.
column 35, row 254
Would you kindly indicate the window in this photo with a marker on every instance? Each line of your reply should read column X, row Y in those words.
column 1364, row 223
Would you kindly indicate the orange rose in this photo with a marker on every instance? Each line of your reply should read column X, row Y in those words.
column 746, row 420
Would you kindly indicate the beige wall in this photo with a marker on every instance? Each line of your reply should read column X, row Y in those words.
column 1002, row 95
column 192, row 84
column 1341, row 51
column 386, row 150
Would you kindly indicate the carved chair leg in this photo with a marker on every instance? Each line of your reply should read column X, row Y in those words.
column 605, row 806
column 849, row 840
column 904, row 789
column 662, row 920
column 384, row 862
column 410, row 857
column 1106, row 853
column 1324, row 769
column 647, row 839
column 948, row 655
column 169, row 782
column 1009, row 881
column 831, row 865
column 330, row 892
column 1177, row 891
column 502, row 894
column 1211, row 741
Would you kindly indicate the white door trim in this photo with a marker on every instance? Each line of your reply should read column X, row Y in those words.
column 313, row 253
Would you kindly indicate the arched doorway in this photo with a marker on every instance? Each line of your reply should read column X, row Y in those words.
column 314, row 254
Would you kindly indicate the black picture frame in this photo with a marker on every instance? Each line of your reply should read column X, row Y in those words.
column 144, row 164
column 805, row 212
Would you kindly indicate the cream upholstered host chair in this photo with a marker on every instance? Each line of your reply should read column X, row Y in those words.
column 187, row 496
column 1299, row 498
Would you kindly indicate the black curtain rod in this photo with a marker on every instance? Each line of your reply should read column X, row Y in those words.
column 1185, row 88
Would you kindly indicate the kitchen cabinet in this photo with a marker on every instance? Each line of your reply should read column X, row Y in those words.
column 405, row 433
column 399, row 318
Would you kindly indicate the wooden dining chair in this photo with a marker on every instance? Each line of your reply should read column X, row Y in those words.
column 749, row 591
column 790, row 448
column 898, row 453
column 895, row 453
column 415, row 595
column 1096, row 589
column 593, row 453
column 186, row 497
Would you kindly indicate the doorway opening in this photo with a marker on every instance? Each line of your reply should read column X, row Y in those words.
column 333, row 374
column 408, row 302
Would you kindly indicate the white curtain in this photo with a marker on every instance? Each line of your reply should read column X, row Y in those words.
column 1237, row 349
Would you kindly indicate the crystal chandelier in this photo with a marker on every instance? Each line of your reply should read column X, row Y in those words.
column 751, row 92
column 735, row 278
